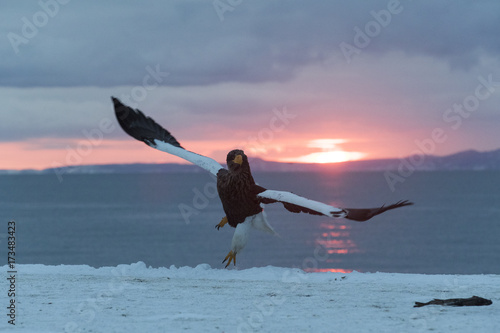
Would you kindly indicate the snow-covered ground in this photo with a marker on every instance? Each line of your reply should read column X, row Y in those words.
column 135, row 298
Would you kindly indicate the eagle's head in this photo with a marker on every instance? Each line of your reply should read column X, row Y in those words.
column 237, row 160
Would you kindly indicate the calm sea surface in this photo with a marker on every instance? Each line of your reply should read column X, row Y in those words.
column 106, row 220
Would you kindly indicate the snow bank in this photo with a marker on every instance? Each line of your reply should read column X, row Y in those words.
column 136, row 298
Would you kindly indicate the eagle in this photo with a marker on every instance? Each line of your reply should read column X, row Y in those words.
column 241, row 197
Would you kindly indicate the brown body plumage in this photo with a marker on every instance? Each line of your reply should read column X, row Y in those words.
column 237, row 189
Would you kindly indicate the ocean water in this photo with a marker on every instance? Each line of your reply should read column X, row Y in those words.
column 106, row 220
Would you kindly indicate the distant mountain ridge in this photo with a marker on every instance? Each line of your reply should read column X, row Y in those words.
column 466, row 160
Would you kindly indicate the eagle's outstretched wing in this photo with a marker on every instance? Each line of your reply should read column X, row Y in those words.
column 364, row 214
column 298, row 204
column 145, row 129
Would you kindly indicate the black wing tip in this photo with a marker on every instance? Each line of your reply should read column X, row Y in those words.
column 127, row 117
column 141, row 127
column 123, row 113
column 362, row 215
column 403, row 203
column 399, row 204
column 117, row 103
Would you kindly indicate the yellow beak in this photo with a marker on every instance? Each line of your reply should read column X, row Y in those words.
column 238, row 159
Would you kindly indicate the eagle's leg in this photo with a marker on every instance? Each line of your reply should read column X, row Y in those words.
column 232, row 257
column 221, row 223
column 240, row 239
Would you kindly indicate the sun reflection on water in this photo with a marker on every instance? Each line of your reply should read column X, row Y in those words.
column 336, row 239
column 328, row 270
column 336, row 242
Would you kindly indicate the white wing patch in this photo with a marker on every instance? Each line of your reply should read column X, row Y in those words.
column 204, row 162
column 304, row 202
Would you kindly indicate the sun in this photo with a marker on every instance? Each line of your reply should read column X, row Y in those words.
column 330, row 153
column 336, row 156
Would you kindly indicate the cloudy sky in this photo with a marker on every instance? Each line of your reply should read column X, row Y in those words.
column 311, row 81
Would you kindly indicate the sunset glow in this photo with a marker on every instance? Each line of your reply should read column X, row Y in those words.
column 312, row 97
column 330, row 152
column 56, row 152
column 329, row 157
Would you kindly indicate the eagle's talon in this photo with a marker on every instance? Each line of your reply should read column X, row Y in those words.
column 221, row 223
column 232, row 257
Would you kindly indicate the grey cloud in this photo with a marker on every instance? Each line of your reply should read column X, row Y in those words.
column 110, row 44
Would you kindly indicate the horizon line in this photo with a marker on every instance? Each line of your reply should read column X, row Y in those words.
column 186, row 163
